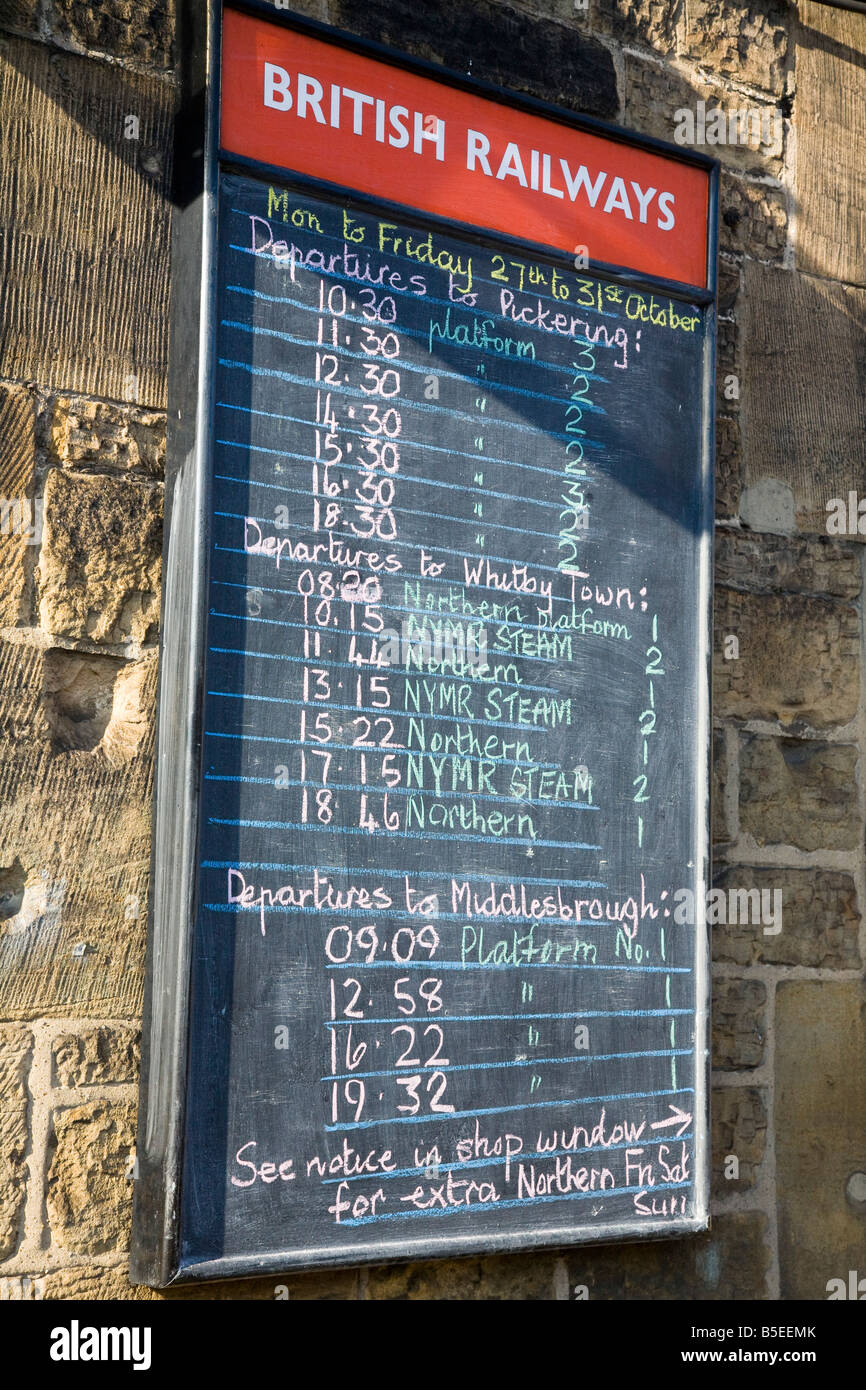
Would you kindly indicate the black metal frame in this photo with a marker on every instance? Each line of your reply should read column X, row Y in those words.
column 155, row 1255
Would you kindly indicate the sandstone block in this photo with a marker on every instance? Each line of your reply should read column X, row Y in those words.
column 720, row 776
column 804, row 410
column 100, row 564
column 565, row 11
column 744, row 42
column 730, row 282
column 96, row 702
column 97, row 1057
column 819, row 926
column 75, row 836
column 831, row 131
column 658, row 96
column 739, row 1115
column 15, row 1053
column 22, row 716
column 123, row 29
column 820, row 1132
column 88, row 1194
column 548, row 60
column 728, row 468
column 93, row 1282
column 730, row 1261
column 20, row 512
column 84, row 214
column 795, row 564
column 739, row 1024
column 20, row 16
column 798, row 659
column 800, row 793
column 727, row 365
column 753, row 218
column 501, row 1277
column 334, row 1285
column 654, row 23
column 98, row 437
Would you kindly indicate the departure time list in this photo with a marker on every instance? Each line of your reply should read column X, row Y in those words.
column 444, row 975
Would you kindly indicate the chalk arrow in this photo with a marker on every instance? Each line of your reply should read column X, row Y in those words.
column 679, row 1117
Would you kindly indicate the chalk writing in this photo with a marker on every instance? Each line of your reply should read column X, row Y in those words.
column 452, row 661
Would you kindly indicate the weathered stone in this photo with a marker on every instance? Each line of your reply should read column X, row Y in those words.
column 20, row 16
column 798, row 659
column 74, row 826
column 804, row 391
column 753, row 218
column 730, row 1261
column 100, row 563
column 795, row 564
column 313, row 9
column 728, row 467
column 727, row 365
column 739, row 1024
column 329, row 1285
column 96, row 702
column 819, row 924
column 97, row 437
column 20, row 512
column 545, row 59
column 720, row 777
column 15, row 1051
column 12, row 884
column 662, row 99
column 799, row 792
column 124, row 29
column 93, row 1282
column 501, row 1277
column 729, row 284
column 744, row 42
column 566, row 11
column 820, row 1132
column 767, row 506
column 89, row 1196
column 831, row 133
column 84, row 214
column 76, row 700
column 98, row 1057
column 652, row 22
column 22, row 717
column 739, row 1115
column 333, row 1285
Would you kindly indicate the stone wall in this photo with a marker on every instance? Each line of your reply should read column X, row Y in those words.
column 85, row 117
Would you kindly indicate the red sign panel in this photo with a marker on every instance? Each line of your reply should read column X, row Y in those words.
column 324, row 111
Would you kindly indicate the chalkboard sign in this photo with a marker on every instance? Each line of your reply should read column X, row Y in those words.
column 435, row 971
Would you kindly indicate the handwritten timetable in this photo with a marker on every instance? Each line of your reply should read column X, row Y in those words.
column 426, row 962
column 439, row 993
